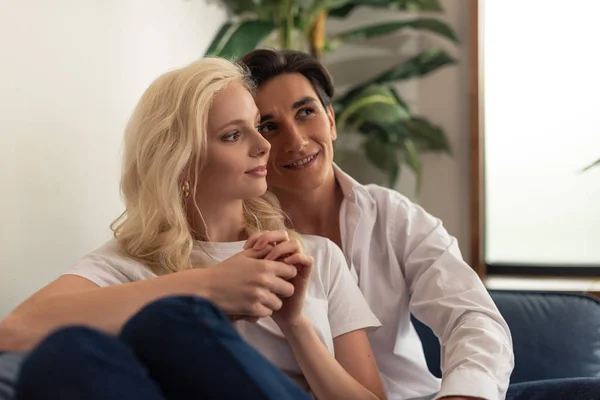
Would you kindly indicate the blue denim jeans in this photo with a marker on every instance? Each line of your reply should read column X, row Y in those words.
column 175, row 348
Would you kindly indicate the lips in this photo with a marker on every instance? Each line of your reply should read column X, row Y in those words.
column 258, row 170
column 302, row 161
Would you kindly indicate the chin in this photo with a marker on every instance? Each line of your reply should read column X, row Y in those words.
column 253, row 193
column 310, row 184
column 298, row 185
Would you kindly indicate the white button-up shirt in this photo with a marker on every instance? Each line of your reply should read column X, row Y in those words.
column 406, row 262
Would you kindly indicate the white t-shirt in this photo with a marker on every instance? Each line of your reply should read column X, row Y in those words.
column 334, row 303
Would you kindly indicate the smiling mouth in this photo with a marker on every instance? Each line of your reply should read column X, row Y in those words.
column 302, row 161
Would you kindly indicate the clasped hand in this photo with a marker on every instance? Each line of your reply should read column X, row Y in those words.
column 268, row 278
column 290, row 252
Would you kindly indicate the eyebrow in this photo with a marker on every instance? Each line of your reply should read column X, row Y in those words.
column 297, row 104
column 236, row 122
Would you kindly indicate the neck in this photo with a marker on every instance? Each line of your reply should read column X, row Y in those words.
column 316, row 211
column 220, row 221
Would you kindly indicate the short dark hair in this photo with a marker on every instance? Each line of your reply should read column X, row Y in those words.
column 265, row 64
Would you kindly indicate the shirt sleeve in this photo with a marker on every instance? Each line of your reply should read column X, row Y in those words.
column 348, row 310
column 448, row 296
column 106, row 266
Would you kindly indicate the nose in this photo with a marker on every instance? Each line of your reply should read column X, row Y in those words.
column 262, row 146
column 294, row 138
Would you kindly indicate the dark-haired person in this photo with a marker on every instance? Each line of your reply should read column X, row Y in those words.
column 402, row 257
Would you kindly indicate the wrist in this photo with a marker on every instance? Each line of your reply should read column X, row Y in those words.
column 293, row 327
column 205, row 283
column 198, row 282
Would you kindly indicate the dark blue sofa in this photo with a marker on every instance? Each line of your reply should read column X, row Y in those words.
column 555, row 335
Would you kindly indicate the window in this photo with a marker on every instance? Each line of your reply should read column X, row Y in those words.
column 541, row 118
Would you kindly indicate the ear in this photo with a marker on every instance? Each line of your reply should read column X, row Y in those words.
column 331, row 117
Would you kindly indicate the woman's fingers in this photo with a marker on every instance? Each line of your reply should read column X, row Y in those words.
column 252, row 240
column 303, row 261
column 261, row 239
column 284, row 249
column 261, row 311
column 272, row 302
column 281, row 287
column 259, row 253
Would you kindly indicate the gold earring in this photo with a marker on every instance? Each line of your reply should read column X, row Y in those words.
column 185, row 188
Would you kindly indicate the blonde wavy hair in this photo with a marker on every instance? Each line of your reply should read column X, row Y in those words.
column 165, row 140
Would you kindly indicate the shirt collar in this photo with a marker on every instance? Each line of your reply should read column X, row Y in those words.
column 350, row 187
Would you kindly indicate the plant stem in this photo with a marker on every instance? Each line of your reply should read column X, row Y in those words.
column 317, row 35
column 289, row 24
column 286, row 24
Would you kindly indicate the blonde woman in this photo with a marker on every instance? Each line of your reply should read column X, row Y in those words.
column 201, row 243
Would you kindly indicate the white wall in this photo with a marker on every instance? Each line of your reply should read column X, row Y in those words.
column 71, row 71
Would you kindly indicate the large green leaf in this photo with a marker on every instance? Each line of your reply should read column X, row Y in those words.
column 394, row 133
column 342, row 12
column 399, row 99
column 420, row 65
column 403, row 5
column 592, row 165
column 367, row 32
column 374, row 103
column 395, row 139
column 427, row 136
column 383, row 156
column 419, row 5
column 308, row 16
column 362, row 102
column 220, row 38
column 370, row 3
column 412, row 159
column 235, row 39
column 238, row 7
column 263, row 9
column 338, row 107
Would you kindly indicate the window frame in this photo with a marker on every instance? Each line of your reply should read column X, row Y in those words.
column 477, row 171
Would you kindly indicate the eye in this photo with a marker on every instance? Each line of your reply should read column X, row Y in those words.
column 265, row 128
column 305, row 112
column 231, row 137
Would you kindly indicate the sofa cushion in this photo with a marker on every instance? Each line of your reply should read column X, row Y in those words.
column 555, row 335
column 10, row 363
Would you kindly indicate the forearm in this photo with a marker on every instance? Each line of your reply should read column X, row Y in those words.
column 482, row 369
column 106, row 309
column 326, row 377
column 450, row 298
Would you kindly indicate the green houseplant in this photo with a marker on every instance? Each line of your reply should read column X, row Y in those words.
column 393, row 134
